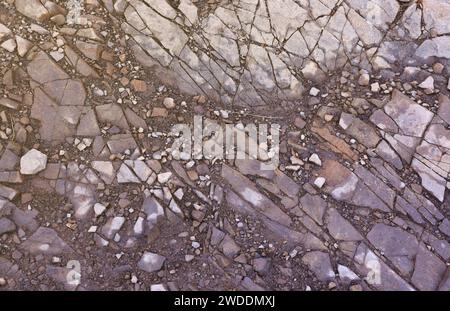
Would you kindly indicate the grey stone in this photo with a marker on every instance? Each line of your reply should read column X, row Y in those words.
column 396, row 244
column 428, row 271
column 6, row 225
column 314, row 206
column 151, row 262
column 411, row 118
column 113, row 226
column 340, row 228
column 319, row 263
column 45, row 241
column 261, row 265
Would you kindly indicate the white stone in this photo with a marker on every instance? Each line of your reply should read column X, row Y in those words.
column 164, row 177
column 9, row 45
column 296, row 161
column 319, row 182
column 92, row 229
column 138, row 228
column 314, row 91
column 151, row 262
column 179, row 194
column 427, row 84
column 364, row 79
column 23, row 46
column 99, row 209
column 125, row 175
column 375, row 87
column 33, row 162
column 315, row 159
column 346, row 273
column 157, row 288
column 189, row 258
column 169, row 103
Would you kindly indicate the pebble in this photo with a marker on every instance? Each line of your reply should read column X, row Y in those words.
column 328, row 117
column 169, row 103
column 314, row 91
column 33, row 162
column 319, row 182
column 99, row 209
column 375, row 87
column 314, row 158
column 296, row 161
column 427, row 84
column 151, row 262
column 299, row 123
column 364, row 79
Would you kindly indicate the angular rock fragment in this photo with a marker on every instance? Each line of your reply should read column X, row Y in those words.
column 33, row 162
column 429, row 270
column 32, row 9
column 411, row 118
column 340, row 228
column 45, row 241
column 113, row 226
column 319, row 263
column 247, row 190
column 6, row 226
column 377, row 273
column 396, row 244
column 151, row 262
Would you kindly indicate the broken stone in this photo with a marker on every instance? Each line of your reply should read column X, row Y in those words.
column 314, row 158
column 151, row 262
column 428, row 84
column 319, row 182
column 32, row 9
column 9, row 45
column 340, row 228
column 6, row 226
column 33, row 162
column 396, row 244
column 169, row 103
column 45, row 241
column 319, row 263
column 428, row 271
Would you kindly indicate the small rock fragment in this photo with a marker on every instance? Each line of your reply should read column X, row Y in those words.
column 314, row 158
column 33, row 162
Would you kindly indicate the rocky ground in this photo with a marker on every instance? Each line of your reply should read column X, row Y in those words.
column 91, row 196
